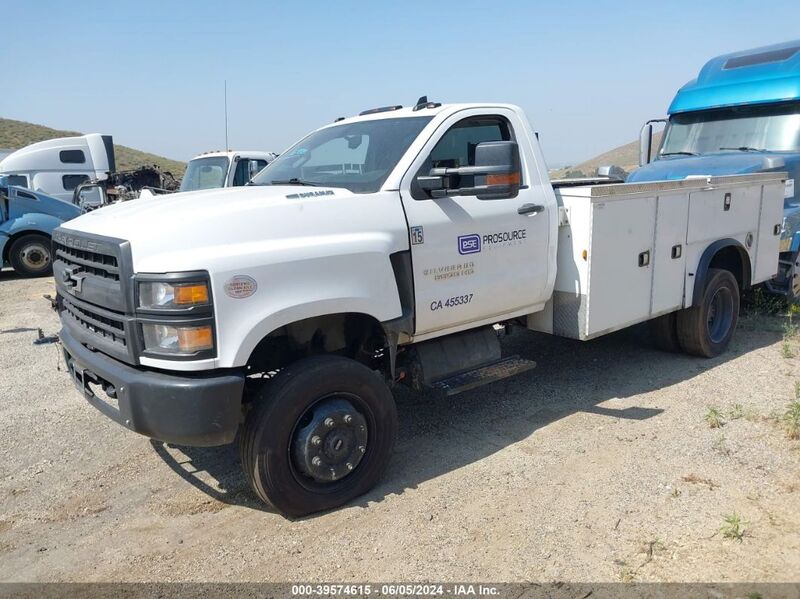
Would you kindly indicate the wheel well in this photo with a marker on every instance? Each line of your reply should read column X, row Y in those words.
column 17, row 235
column 734, row 259
column 353, row 335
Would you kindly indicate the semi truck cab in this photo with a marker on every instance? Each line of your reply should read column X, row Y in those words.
column 740, row 115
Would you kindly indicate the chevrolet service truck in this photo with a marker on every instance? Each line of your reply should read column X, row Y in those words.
column 740, row 115
column 383, row 249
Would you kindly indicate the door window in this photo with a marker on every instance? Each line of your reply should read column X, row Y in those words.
column 70, row 182
column 456, row 148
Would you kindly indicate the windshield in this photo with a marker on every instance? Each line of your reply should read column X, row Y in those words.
column 357, row 156
column 205, row 173
column 773, row 128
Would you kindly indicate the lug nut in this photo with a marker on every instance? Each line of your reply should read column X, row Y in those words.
column 349, row 466
column 329, row 422
column 348, row 419
column 315, row 440
column 316, row 461
column 362, row 449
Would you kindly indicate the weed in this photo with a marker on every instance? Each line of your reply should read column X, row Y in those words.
column 733, row 527
column 736, row 411
column 791, row 420
column 627, row 574
column 786, row 349
column 720, row 445
column 714, row 417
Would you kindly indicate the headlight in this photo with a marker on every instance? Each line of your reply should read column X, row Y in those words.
column 177, row 339
column 160, row 295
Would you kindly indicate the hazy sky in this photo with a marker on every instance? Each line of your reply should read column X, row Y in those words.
column 151, row 73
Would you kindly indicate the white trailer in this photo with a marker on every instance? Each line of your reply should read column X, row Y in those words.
column 384, row 249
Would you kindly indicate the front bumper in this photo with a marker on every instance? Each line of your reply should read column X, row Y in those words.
column 195, row 410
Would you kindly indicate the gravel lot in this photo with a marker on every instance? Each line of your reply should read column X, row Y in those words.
column 599, row 465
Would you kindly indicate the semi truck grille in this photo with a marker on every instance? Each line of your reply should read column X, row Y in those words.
column 93, row 263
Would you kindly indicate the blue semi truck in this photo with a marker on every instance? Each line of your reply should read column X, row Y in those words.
column 740, row 115
column 27, row 219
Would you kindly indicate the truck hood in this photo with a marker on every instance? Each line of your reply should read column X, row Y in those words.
column 180, row 231
column 727, row 163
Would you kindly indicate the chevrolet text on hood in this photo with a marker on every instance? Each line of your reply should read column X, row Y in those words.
column 390, row 248
column 740, row 115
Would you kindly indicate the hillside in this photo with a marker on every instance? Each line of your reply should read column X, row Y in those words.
column 626, row 156
column 18, row 134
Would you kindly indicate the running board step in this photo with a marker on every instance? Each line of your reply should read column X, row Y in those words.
column 483, row 375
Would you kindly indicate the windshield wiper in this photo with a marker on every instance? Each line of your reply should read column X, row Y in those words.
column 745, row 149
column 678, row 154
column 295, row 181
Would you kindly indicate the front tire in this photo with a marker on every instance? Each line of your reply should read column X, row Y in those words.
column 706, row 329
column 318, row 435
column 30, row 255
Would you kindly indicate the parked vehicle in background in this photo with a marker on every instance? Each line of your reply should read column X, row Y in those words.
column 740, row 115
column 224, row 169
column 61, row 167
column 387, row 248
column 56, row 167
column 27, row 220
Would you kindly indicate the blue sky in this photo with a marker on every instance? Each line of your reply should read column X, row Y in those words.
column 151, row 73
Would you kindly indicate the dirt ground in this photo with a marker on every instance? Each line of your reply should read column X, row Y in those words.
column 599, row 465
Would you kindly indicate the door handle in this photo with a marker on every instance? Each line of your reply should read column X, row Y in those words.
column 530, row 209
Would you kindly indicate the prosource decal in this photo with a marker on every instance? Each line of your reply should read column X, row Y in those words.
column 240, row 287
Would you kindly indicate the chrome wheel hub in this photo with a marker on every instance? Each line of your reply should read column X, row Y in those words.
column 35, row 256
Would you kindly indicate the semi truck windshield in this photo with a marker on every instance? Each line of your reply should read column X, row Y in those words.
column 774, row 128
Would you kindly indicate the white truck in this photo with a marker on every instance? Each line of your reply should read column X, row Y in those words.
column 379, row 250
column 224, row 169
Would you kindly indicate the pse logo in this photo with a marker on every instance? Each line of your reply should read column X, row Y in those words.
column 469, row 244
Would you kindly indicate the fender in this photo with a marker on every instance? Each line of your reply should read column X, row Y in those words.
column 35, row 222
column 705, row 260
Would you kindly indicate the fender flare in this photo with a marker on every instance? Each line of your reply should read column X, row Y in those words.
column 701, row 273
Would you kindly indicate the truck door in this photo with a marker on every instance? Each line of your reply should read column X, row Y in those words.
column 477, row 260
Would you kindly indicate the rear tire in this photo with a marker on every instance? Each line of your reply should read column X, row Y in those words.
column 706, row 329
column 664, row 332
column 318, row 435
column 30, row 255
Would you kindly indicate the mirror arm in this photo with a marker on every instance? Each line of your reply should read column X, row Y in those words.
column 477, row 171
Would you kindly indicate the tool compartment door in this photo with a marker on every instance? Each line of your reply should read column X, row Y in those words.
column 719, row 213
column 621, row 263
column 765, row 265
column 669, row 261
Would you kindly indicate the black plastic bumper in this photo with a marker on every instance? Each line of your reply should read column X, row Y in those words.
column 197, row 410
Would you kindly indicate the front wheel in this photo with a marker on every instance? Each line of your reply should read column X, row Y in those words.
column 30, row 255
column 318, row 435
column 706, row 329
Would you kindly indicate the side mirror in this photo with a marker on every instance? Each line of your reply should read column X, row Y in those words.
column 253, row 169
column 612, row 172
column 646, row 141
column 496, row 174
column 645, row 144
column 88, row 196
